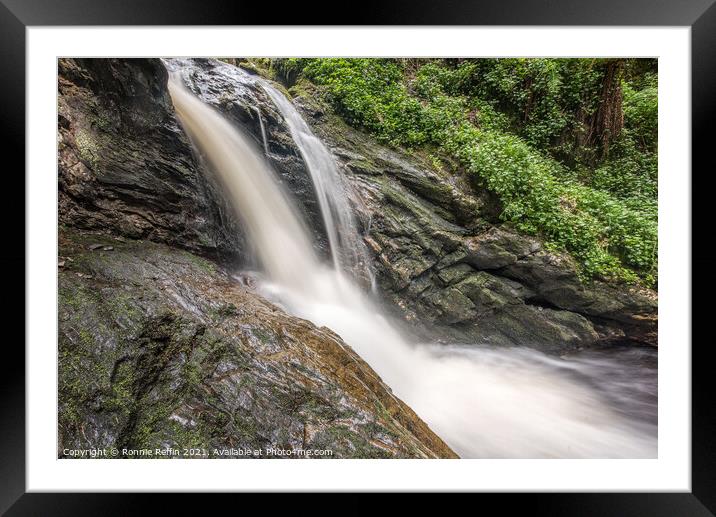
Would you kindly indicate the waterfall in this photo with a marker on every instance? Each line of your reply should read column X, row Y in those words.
column 483, row 402
column 273, row 226
column 263, row 130
column 347, row 248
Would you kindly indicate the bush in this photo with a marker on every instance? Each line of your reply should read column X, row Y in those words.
column 607, row 238
column 641, row 113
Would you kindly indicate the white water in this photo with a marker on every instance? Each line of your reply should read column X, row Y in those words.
column 482, row 402
column 263, row 130
column 347, row 248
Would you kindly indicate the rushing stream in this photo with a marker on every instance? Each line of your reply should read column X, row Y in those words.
column 484, row 402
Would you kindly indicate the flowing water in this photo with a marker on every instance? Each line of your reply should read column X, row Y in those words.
column 485, row 403
column 347, row 248
column 263, row 130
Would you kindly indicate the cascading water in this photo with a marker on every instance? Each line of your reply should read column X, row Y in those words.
column 263, row 130
column 483, row 402
column 347, row 248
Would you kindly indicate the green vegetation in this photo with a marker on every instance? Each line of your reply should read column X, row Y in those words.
column 567, row 146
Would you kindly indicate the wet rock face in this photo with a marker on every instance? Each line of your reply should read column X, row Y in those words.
column 125, row 165
column 453, row 271
column 159, row 348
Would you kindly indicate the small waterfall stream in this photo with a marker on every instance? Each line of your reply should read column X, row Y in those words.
column 485, row 403
column 347, row 248
column 263, row 130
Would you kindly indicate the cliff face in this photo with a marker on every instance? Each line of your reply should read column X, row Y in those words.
column 161, row 347
column 234, row 93
column 125, row 165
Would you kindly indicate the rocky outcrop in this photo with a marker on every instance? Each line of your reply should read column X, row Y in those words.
column 454, row 271
column 161, row 349
column 125, row 165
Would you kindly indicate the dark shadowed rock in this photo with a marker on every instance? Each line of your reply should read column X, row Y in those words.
column 125, row 165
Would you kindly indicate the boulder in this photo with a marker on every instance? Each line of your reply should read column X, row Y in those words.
column 160, row 348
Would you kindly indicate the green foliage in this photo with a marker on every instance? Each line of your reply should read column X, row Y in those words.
column 608, row 238
column 510, row 123
column 630, row 172
column 541, row 98
column 641, row 112
column 369, row 94
column 288, row 69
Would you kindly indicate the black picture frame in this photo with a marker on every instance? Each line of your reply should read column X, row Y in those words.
column 16, row 15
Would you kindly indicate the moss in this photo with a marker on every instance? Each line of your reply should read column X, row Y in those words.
column 356, row 445
column 192, row 374
column 227, row 310
column 246, row 427
column 73, row 384
column 187, row 437
column 383, row 415
column 375, row 429
column 365, row 166
column 66, row 297
column 104, row 122
column 304, row 88
column 149, row 430
column 259, row 66
column 202, row 263
column 264, row 336
column 316, row 409
column 122, row 395
column 210, row 348
column 122, row 306
column 87, row 148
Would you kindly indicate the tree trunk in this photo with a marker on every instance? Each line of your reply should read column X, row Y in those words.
column 609, row 119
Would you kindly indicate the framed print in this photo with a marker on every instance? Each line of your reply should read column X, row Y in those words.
column 438, row 251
